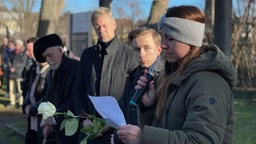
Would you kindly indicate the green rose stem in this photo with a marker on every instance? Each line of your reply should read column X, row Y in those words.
column 70, row 114
column 71, row 122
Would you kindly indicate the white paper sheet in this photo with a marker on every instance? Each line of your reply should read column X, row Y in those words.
column 109, row 109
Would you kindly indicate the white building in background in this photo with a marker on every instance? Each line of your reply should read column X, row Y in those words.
column 8, row 21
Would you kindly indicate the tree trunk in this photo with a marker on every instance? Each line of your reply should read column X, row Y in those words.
column 209, row 15
column 158, row 8
column 49, row 14
column 105, row 3
column 223, row 24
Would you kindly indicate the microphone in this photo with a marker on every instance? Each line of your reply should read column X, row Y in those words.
column 154, row 70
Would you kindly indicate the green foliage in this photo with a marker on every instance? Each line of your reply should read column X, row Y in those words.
column 70, row 114
column 71, row 124
column 84, row 141
column 94, row 130
column 62, row 126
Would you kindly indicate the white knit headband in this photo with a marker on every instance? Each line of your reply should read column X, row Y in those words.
column 187, row 31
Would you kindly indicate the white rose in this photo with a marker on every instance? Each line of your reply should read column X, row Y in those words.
column 47, row 109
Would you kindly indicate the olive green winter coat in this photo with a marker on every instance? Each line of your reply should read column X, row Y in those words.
column 199, row 108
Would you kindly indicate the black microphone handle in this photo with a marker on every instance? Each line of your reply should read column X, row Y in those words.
column 140, row 92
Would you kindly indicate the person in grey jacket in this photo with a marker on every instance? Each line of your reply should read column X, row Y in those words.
column 193, row 101
column 16, row 65
column 103, row 68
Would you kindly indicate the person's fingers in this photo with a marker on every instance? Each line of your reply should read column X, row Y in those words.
column 151, row 85
column 141, row 82
column 137, row 87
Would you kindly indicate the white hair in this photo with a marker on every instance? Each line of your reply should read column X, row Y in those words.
column 18, row 41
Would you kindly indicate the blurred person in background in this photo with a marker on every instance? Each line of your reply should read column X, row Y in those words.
column 67, row 52
column 2, row 51
column 33, row 91
column 8, row 53
column 16, row 65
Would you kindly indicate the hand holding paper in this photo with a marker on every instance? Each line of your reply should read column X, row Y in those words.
column 109, row 109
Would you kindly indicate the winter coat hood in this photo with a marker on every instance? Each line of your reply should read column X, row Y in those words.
column 211, row 59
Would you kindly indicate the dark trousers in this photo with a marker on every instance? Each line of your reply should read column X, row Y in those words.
column 31, row 135
column 61, row 138
column 34, row 137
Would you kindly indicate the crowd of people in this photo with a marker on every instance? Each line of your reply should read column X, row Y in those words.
column 191, row 100
column 13, row 62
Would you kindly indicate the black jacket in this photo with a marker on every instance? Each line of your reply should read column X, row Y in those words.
column 39, row 89
column 130, row 113
column 59, row 86
column 29, row 74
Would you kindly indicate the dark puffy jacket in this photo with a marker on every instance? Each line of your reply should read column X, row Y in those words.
column 199, row 107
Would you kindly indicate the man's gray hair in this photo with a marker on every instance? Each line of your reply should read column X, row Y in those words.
column 101, row 11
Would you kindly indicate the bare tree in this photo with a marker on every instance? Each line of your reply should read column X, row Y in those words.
column 135, row 10
column 244, row 43
column 26, row 19
column 158, row 8
column 49, row 14
column 126, row 18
